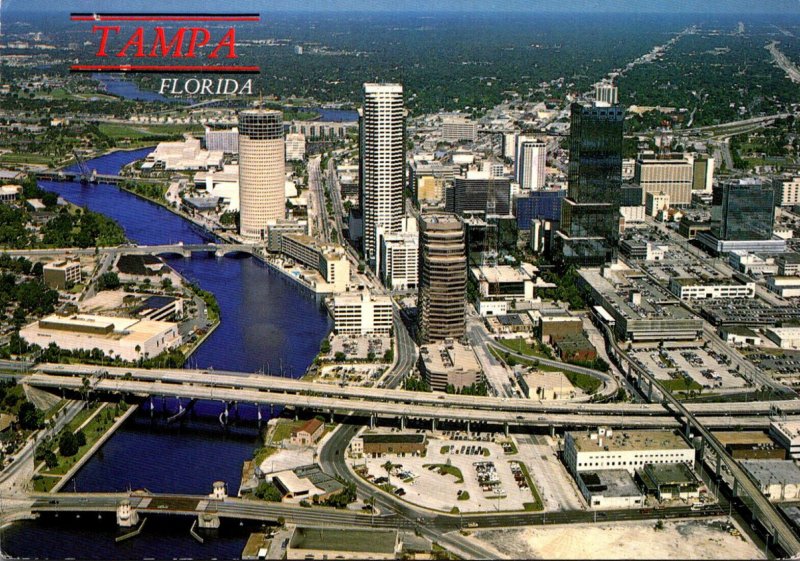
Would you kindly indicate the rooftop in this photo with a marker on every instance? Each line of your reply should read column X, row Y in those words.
column 610, row 483
column 393, row 438
column 629, row 440
column 773, row 471
column 743, row 437
column 340, row 539
column 670, row 474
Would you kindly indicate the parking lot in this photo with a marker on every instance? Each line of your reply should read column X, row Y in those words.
column 358, row 347
column 351, row 374
column 690, row 368
column 471, row 475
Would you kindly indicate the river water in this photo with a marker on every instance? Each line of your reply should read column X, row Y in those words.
column 268, row 324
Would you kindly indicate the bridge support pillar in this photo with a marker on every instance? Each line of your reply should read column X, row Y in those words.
column 127, row 517
column 433, row 425
column 719, row 465
column 207, row 520
column 735, row 487
column 552, row 431
column 650, row 391
column 505, row 428
column 402, row 423
column 469, row 428
column 331, row 416
column 372, row 421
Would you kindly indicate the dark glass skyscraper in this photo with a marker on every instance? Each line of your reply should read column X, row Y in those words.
column 743, row 209
column 589, row 228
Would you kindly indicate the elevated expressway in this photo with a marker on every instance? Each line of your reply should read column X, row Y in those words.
column 377, row 403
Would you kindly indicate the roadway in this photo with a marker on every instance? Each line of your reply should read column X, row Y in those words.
column 762, row 508
column 375, row 410
column 245, row 381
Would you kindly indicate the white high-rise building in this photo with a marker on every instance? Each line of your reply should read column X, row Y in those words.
column 606, row 94
column 382, row 131
column 295, row 146
column 457, row 127
column 399, row 258
column 261, row 172
column 530, row 163
column 223, row 141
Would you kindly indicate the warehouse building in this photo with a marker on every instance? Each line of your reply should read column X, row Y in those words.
column 378, row 444
column 669, row 481
column 787, row 434
column 610, row 488
column 779, row 480
column 750, row 445
column 343, row 543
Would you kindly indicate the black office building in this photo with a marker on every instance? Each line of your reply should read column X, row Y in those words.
column 468, row 195
column 743, row 209
column 589, row 230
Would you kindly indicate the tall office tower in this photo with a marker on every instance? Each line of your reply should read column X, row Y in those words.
column 671, row 174
column 478, row 192
column 442, row 278
column 222, row 140
column 606, row 94
column 530, row 163
column 509, row 145
column 382, row 128
column 743, row 209
column 703, row 174
column 261, row 172
column 589, row 228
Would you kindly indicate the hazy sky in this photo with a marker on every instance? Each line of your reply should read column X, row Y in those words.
column 265, row 6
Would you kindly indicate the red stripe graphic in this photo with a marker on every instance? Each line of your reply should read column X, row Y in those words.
column 100, row 17
column 156, row 68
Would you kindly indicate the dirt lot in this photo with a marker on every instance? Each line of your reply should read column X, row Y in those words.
column 683, row 539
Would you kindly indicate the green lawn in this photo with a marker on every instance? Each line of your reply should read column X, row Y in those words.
column 680, row 384
column 25, row 158
column 520, row 345
column 95, row 429
column 587, row 383
column 537, row 500
column 444, row 469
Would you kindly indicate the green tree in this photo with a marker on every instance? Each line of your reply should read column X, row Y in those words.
column 68, row 444
column 267, row 491
column 30, row 418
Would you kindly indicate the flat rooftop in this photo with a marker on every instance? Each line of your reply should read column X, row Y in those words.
column 393, row 438
column 629, row 440
column 671, row 474
column 500, row 274
column 350, row 539
column 610, row 483
column 773, row 471
column 743, row 437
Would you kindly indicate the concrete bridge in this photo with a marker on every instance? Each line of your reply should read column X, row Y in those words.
column 61, row 175
column 184, row 250
column 507, row 416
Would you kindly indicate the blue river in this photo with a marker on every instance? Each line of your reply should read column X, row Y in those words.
column 268, row 324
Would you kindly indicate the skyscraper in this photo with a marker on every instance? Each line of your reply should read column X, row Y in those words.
column 261, row 172
column 606, row 94
column 671, row 174
column 590, row 217
column 382, row 151
column 478, row 192
column 442, row 278
column 743, row 209
column 530, row 163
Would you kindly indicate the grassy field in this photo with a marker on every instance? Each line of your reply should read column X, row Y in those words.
column 136, row 132
column 444, row 469
column 587, row 383
column 24, row 158
column 680, row 384
column 520, row 345
column 95, row 429
column 524, row 361
column 536, row 505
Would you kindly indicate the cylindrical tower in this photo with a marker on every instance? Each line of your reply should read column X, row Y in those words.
column 261, row 172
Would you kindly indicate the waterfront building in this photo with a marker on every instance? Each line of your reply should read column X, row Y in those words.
column 61, row 274
column 442, row 278
column 382, row 152
column 330, row 260
column 449, row 363
column 128, row 338
column 182, row 155
column 308, row 433
column 530, row 163
column 295, row 147
column 456, row 128
column 362, row 313
column 670, row 174
column 589, row 228
column 226, row 141
column 261, row 172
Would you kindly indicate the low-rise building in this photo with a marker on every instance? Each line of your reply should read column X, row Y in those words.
column 9, row 193
column 750, row 445
column 787, row 434
column 696, row 289
column 655, row 203
column 362, row 313
column 546, row 386
column 669, row 481
column 378, row 444
column 778, row 480
column 629, row 450
column 574, row 348
column 690, row 228
column 330, row 260
column 130, row 339
column 449, row 363
column 308, row 433
column 610, row 488
column 554, row 323
column 343, row 543
column 61, row 274
column 789, row 264
column 786, row 287
column 503, row 323
column 752, row 263
column 739, row 335
column 784, row 337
